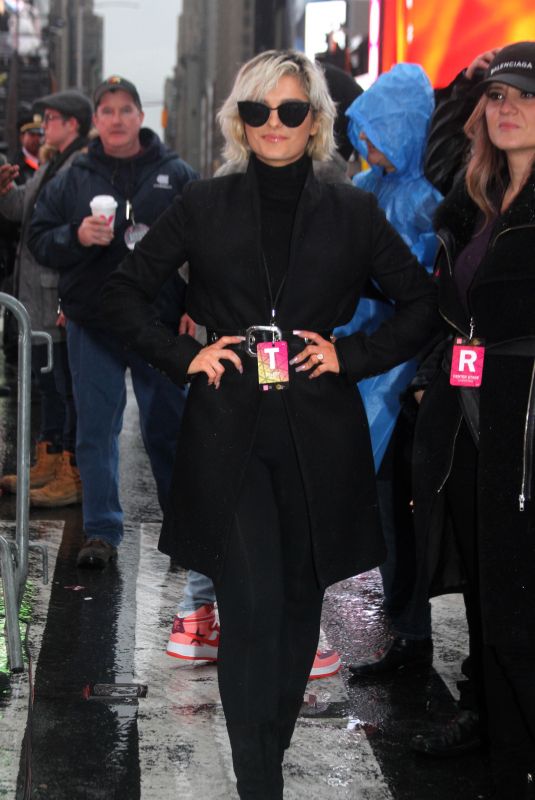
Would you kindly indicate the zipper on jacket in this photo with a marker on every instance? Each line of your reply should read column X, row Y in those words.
column 527, row 455
column 453, row 325
column 529, row 425
column 450, row 465
column 448, row 259
column 508, row 230
column 450, row 270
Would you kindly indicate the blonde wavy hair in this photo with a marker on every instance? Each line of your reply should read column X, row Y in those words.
column 258, row 77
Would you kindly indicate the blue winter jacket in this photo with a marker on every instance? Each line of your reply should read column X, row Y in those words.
column 151, row 181
column 394, row 114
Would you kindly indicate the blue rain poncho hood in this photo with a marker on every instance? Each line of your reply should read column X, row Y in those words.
column 394, row 114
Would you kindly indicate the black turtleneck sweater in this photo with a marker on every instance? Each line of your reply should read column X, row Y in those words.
column 280, row 189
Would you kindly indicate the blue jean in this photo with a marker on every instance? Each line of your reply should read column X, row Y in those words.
column 58, row 416
column 98, row 365
column 198, row 591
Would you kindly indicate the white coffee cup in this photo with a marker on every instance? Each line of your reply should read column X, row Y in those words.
column 104, row 207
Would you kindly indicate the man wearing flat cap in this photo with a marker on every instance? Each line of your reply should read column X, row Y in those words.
column 54, row 478
column 141, row 177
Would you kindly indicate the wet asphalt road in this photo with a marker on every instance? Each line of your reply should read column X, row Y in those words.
column 75, row 746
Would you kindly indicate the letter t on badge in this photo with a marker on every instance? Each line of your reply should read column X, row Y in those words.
column 273, row 370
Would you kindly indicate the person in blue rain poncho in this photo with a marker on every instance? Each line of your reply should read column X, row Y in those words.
column 388, row 127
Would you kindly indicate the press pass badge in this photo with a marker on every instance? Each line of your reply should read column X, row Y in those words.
column 467, row 363
column 134, row 234
column 136, row 231
column 273, row 369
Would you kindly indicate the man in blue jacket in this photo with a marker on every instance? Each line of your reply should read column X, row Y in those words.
column 131, row 164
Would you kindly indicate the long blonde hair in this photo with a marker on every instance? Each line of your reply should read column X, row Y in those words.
column 259, row 76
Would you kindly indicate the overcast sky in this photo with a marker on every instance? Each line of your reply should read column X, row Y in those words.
column 140, row 44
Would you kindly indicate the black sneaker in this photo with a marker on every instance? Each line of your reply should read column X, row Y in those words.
column 460, row 736
column 96, row 554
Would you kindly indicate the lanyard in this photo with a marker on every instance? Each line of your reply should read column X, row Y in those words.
column 272, row 303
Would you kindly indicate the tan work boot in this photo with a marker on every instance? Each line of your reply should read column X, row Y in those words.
column 64, row 490
column 41, row 473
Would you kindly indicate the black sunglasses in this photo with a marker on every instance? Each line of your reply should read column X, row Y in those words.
column 292, row 113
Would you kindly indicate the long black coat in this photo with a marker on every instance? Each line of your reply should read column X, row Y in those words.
column 502, row 305
column 340, row 239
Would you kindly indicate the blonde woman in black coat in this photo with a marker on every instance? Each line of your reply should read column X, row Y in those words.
column 274, row 494
column 474, row 468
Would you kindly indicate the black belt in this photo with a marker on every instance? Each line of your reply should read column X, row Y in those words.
column 513, row 347
column 260, row 333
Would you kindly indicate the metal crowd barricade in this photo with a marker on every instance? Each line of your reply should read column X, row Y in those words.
column 14, row 553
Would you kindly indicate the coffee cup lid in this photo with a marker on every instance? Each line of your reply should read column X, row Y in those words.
column 104, row 200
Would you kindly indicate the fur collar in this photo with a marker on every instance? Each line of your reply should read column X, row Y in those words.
column 457, row 214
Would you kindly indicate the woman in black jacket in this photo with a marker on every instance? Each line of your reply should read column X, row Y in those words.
column 477, row 464
column 274, row 494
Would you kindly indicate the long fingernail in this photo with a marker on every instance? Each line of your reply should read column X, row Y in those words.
column 293, row 361
column 301, row 368
column 296, row 333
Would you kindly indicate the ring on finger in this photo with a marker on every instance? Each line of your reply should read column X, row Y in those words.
column 319, row 356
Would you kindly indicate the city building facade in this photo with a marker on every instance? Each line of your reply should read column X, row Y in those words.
column 75, row 40
column 214, row 38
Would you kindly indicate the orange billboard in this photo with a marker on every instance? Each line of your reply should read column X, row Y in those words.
column 445, row 35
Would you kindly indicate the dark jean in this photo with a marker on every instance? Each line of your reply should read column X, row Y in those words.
column 58, row 415
column 405, row 599
column 398, row 572
column 98, row 365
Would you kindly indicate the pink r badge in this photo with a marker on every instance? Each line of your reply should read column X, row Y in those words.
column 273, row 370
column 467, row 364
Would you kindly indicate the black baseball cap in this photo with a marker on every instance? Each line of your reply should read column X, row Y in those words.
column 513, row 65
column 69, row 103
column 115, row 84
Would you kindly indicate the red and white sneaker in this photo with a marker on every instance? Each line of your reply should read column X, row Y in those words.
column 326, row 663
column 195, row 637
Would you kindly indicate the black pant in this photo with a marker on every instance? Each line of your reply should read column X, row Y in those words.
column 504, row 682
column 269, row 604
column 510, row 684
column 461, row 500
column 409, row 613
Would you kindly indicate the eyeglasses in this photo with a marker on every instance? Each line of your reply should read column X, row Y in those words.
column 51, row 117
column 292, row 113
